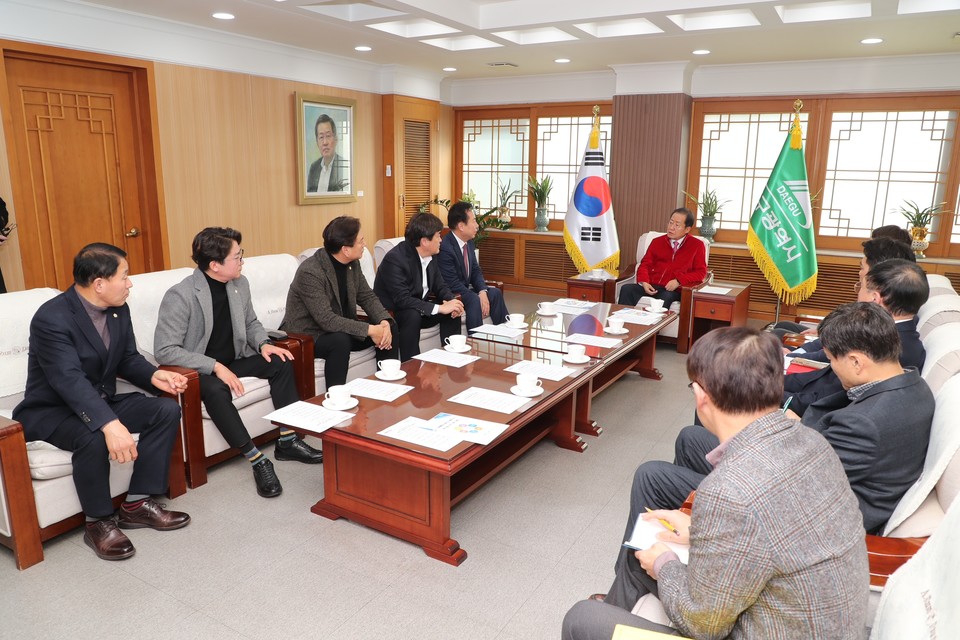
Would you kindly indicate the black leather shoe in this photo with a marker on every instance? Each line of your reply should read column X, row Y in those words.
column 108, row 542
column 152, row 514
column 268, row 485
column 298, row 450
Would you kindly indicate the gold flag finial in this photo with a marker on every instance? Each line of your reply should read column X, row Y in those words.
column 796, row 135
column 595, row 132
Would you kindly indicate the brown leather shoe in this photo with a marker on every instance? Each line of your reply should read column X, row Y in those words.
column 153, row 515
column 108, row 542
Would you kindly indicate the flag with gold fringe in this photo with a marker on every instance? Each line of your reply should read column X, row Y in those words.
column 589, row 230
column 781, row 235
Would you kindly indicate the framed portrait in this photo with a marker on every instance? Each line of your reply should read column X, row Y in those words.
column 325, row 149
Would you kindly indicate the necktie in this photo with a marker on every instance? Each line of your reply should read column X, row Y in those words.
column 676, row 245
column 466, row 262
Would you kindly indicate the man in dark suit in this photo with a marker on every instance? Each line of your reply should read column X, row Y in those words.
column 80, row 342
column 408, row 276
column 461, row 271
column 327, row 172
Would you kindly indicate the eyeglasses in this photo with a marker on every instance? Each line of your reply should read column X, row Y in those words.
column 857, row 286
column 238, row 257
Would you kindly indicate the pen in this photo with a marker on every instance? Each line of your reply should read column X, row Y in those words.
column 666, row 524
column 786, row 404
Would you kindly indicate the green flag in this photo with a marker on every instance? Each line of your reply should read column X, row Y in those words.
column 780, row 237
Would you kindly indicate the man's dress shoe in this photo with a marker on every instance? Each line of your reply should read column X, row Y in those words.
column 298, row 450
column 108, row 542
column 268, row 484
column 152, row 514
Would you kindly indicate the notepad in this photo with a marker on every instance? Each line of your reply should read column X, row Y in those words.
column 644, row 536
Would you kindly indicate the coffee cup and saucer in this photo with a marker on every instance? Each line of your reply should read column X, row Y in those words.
column 615, row 327
column 515, row 321
column 338, row 398
column 456, row 344
column 389, row 370
column 576, row 354
column 528, row 386
column 546, row 309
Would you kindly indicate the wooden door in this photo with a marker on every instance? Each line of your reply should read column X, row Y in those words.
column 77, row 149
column 409, row 126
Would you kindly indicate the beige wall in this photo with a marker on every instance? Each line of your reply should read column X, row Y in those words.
column 228, row 148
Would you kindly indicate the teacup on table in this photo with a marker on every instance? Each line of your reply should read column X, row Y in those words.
column 457, row 341
column 656, row 304
column 338, row 395
column 528, row 382
column 615, row 324
column 516, row 319
column 576, row 351
column 390, row 367
column 546, row 308
column 599, row 273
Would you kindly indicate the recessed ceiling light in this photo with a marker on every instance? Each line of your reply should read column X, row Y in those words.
column 450, row 69
column 363, row 47
column 562, row 60
column 701, row 52
column 222, row 15
column 871, row 41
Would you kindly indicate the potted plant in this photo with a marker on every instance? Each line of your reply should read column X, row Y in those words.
column 709, row 205
column 504, row 195
column 919, row 219
column 540, row 191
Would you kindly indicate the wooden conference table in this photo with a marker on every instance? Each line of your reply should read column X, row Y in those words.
column 408, row 490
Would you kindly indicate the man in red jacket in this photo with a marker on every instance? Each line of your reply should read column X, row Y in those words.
column 672, row 261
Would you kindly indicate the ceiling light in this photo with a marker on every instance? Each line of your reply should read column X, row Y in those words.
column 701, row 52
column 562, row 60
column 871, row 41
column 450, row 69
column 363, row 47
column 222, row 15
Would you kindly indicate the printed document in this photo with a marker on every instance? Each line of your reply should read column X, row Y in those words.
column 469, row 429
column 541, row 370
column 499, row 330
column 594, row 341
column 311, row 417
column 419, row 431
column 442, row 356
column 720, row 291
column 493, row 400
column 376, row 390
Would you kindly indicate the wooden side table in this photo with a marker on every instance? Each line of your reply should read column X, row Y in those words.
column 588, row 287
column 712, row 310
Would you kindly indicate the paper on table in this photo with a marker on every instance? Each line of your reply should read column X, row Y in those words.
column 469, row 429
column 569, row 305
column 441, row 356
column 499, row 330
column 376, row 390
column 545, row 371
column 720, row 291
column 308, row 416
column 594, row 341
column 644, row 536
column 419, row 431
column 493, row 400
column 637, row 316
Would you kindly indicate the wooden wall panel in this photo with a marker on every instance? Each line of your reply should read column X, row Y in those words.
column 229, row 158
column 648, row 163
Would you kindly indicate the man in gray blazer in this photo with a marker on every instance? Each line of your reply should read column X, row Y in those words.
column 207, row 323
column 323, row 298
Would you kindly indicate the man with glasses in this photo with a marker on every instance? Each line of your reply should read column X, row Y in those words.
column 326, row 173
column 671, row 262
column 207, row 323
column 323, row 301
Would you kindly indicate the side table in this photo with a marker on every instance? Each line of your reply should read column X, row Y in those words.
column 712, row 309
column 586, row 286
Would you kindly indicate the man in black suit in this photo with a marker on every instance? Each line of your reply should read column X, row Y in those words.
column 461, row 271
column 80, row 342
column 408, row 276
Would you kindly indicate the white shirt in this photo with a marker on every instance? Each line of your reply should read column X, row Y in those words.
column 423, row 274
column 324, row 184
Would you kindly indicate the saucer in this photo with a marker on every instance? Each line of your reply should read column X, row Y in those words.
column 452, row 349
column 658, row 312
column 581, row 360
column 616, row 332
column 545, row 314
column 340, row 407
column 523, row 393
column 383, row 375
column 522, row 325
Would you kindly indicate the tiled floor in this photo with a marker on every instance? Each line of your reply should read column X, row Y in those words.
column 540, row 536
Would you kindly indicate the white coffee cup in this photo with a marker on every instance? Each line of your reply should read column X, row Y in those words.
column 528, row 382
column 457, row 341
column 515, row 319
column 656, row 304
column 599, row 273
column 576, row 351
column 390, row 367
column 546, row 308
column 338, row 395
column 615, row 324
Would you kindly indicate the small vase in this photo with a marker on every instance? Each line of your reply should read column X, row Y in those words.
column 707, row 229
column 919, row 244
column 542, row 220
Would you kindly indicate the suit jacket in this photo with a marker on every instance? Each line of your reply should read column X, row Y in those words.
column 881, row 439
column 399, row 283
column 807, row 388
column 337, row 172
column 659, row 266
column 451, row 266
column 313, row 302
column 762, row 565
column 186, row 322
column 71, row 372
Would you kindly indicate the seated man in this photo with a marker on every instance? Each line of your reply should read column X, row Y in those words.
column 672, row 261
column 207, row 323
column 898, row 286
column 323, row 298
column 879, row 424
column 408, row 276
column 79, row 343
column 760, row 565
column 461, row 271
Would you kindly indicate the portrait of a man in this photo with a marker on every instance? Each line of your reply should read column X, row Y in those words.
column 325, row 142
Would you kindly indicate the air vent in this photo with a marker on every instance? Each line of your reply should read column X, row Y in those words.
column 502, row 64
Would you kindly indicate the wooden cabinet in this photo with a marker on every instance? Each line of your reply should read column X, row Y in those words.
column 587, row 287
column 712, row 309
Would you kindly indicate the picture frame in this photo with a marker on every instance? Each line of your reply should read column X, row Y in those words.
column 325, row 128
